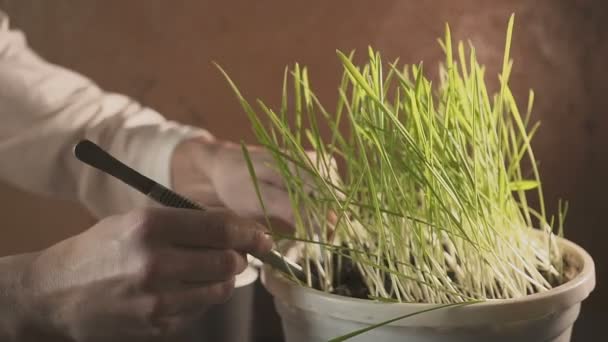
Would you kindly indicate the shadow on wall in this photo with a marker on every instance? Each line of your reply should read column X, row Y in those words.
column 161, row 53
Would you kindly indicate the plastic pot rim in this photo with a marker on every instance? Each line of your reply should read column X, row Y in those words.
column 494, row 311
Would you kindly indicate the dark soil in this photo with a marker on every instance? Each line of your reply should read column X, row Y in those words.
column 349, row 282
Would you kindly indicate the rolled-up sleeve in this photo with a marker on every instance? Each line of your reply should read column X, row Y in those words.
column 46, row 109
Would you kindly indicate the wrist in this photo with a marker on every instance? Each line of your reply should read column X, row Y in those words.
column 192, row 166
column 193, row 155
column 22, row 309
column 16, row 320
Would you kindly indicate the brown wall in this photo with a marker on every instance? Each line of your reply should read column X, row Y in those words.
column 160, row 52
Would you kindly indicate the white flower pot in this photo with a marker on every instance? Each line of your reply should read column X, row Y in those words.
column 309, row 315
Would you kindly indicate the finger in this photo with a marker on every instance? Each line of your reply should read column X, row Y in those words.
column 191, row 299
column 173, row 313
column 277, row 227
column 277, row 204
column 219, row 229
column 266, row 173
column 203, row 194
column 195, row 266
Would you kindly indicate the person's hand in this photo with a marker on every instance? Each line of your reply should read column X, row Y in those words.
column 145, row 275
column 216, row 174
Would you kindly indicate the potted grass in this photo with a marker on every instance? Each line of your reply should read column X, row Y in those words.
column 431, row 236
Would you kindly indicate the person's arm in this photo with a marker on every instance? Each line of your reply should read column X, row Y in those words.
column 46, row 109
column 147, row 275
column 12, row 323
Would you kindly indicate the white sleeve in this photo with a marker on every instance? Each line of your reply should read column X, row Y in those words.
column 45, row 110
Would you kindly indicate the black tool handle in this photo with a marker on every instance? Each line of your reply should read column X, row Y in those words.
column 89, row 153
column 170, row 198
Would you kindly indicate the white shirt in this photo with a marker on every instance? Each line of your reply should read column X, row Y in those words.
column 46, row 109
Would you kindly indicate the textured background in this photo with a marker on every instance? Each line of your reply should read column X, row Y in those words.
column 160, row 52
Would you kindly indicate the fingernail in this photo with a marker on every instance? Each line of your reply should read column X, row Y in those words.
column 260, row 227
column 266, row 241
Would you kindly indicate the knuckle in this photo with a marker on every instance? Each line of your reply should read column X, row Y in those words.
column 142, row 222
column 150, row 270
column 228, row 232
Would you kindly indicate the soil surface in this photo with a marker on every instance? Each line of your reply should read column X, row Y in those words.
column 349, row 282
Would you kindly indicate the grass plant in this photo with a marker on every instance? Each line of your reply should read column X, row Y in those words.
column 433, row 202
